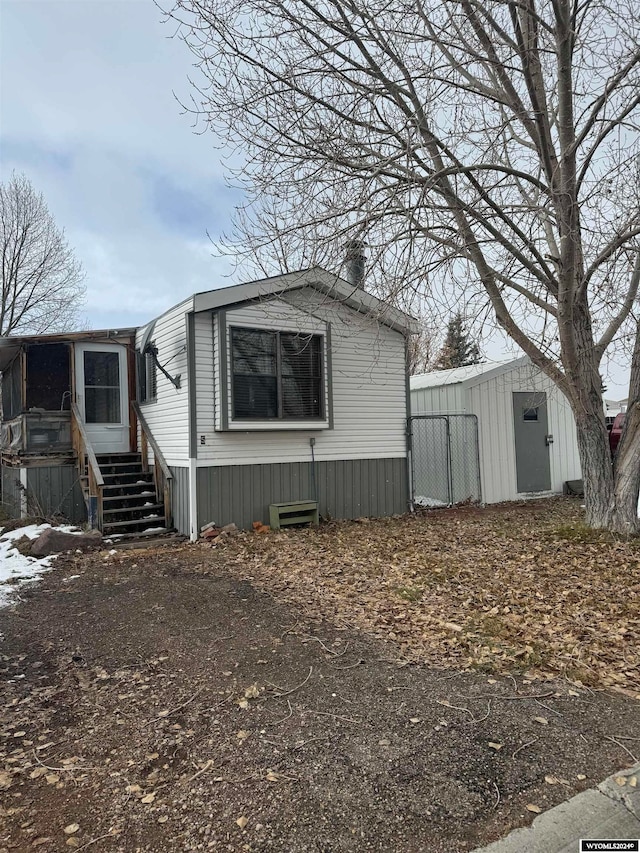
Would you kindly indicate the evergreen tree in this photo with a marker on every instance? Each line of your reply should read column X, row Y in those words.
column 458, row 349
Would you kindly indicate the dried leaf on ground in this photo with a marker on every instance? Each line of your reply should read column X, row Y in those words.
column 509, row 589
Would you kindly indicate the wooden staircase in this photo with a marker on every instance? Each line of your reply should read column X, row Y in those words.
column 129, row 496
column 126, row 494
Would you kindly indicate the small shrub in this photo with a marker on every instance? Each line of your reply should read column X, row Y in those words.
column 23, row 545
column 410, row 593
column 15, row 523
column 580, row 533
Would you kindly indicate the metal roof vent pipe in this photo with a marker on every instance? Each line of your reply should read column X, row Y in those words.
column 355, row 263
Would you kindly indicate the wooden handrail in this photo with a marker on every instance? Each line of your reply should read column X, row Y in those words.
column 163, row 475
column 86, row 446
column 157, row 453
column 82, row 447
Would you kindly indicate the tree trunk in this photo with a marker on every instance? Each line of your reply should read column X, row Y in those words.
column 610, row 486
column 626, row 487
column 611, row 494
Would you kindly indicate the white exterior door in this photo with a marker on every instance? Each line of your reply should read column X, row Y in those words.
column 102, row 395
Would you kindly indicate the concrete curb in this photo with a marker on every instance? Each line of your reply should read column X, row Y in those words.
column 610, row 811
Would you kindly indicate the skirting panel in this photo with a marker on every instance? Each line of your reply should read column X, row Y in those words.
column 52, row 491
column 180, row 499
column 11, row 491
column 345, row 489
column 56, row 491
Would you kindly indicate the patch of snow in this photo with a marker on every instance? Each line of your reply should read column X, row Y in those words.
column 423, row 501
column 146, row 493
column 15, row 568
column 151, row 515
column 70, row 578
column 151, row 530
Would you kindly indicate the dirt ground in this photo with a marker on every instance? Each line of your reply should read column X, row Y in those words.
column 186, row 698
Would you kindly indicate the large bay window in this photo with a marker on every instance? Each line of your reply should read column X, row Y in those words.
column 276, row 375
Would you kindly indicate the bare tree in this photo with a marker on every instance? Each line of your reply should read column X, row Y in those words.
column 421, row 351
column 488, row 144
column 42, row 283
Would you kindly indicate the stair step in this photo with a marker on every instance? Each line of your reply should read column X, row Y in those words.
column 128, row 494
column 131, row 464
column 132, row 476
column 140, row 539
column 140, row 481
column 110, row 458
column 150, row 495
column 121, row 468
column 137, row 524
column 132, row 510
column 110, row 495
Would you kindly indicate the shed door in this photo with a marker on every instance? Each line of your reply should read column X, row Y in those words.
column 102, row 394
column 532, row 451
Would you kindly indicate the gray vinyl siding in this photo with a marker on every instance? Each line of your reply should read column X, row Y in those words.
column 367, row 388
column 11, row 491
column 180, row 499
column 347, row 488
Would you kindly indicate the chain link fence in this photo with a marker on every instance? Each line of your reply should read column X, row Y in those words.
column 445, row 461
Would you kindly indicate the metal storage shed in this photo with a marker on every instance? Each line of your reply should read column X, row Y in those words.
column 527, row 442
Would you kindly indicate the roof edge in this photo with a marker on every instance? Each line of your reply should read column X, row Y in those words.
column 499, row 369
column 320, row 279
column 494, row 369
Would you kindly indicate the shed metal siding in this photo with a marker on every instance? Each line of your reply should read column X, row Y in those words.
column 492, row 401
column 345, row 489
column 443, row 399
column 168, row 416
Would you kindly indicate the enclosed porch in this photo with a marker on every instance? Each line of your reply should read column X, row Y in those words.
column 72, row 441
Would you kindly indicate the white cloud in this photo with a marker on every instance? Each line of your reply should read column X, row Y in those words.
column 90, row 117
column 89, row 114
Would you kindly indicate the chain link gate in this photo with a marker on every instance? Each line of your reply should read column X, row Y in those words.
column 445, row 460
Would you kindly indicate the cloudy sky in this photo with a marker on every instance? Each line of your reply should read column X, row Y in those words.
column 88, row 113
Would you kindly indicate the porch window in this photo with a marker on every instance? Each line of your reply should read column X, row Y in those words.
column 48, row 383
column 102, row 387
column 276, row 375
